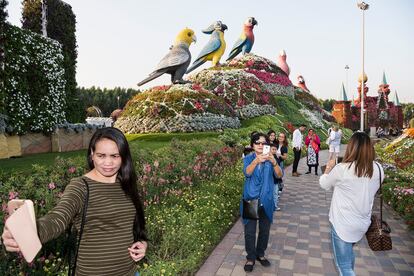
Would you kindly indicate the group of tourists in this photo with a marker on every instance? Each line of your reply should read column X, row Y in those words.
column 355, row 181
column 105, row 206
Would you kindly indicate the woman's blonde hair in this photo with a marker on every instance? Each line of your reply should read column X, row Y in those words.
column 360, row 151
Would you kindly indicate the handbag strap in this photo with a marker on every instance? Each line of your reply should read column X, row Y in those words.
column 85, row 208
column 380, row 194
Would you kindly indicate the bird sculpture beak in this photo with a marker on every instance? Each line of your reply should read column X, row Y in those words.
column 255, row 22
column 224, row 27
column 194, row 38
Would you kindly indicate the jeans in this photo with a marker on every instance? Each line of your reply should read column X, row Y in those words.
column 276, row 195
column 296, row 159
column 252, row 250
column 343, row 254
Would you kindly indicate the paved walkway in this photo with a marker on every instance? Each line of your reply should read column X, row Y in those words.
column 299, row 241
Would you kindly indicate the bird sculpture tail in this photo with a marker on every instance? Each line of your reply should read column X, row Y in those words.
column 195, row 65
column 233, row 54
column 150, row 78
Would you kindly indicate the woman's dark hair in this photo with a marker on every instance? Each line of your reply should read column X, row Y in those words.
column 360, row 151
column 255, row 137
column 269, row 133
column 126, row 174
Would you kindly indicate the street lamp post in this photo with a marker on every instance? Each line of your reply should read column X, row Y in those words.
column 363, row 6
column 346, row 75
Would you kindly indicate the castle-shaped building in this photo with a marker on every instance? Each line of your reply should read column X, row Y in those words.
column 379, row 110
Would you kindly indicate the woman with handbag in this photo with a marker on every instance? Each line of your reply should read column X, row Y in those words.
column 104, row 207
column 313, row 144
column 257, row 204
column 355, row 181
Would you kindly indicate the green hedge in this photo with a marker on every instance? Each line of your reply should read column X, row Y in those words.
column 61, row 26
column 34, row 81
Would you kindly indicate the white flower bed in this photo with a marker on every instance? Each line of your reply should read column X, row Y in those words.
column 100, row 121
column 190, row 123
column 314, row 119
column 255, row 110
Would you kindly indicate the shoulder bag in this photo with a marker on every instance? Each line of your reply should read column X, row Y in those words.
column 379, row 232
column 251, row 207
column 73, row 260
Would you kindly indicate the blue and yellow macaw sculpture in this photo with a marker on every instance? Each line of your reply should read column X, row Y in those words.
column 215, row 47
column 177, row 60
column 246, row 40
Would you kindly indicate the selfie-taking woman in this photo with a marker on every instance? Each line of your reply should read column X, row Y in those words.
column 259, row 170
column 355, row 182
column 113, row 237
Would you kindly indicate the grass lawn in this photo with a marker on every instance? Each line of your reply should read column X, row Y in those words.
column 147, row 141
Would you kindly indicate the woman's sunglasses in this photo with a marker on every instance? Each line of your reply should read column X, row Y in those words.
column 260, row 143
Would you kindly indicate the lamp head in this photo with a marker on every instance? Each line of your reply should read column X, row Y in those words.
column 363, row 6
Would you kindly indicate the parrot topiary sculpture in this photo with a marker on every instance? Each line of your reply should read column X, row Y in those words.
column 215, row 47
column 246, row 40
column 177, row 60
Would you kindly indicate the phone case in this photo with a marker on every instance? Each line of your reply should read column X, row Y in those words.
column 22, row 226
column 266, row 149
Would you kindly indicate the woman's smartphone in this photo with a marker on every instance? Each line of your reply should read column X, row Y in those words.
column 266, row 149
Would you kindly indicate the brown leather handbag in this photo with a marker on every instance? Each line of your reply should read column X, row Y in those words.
column 379, row 232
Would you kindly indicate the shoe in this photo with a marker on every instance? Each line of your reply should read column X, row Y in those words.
column 299, row 173
column 278, row 209
column 263, row 261
column 295, row 174
column 307, row 172
column 248, row 267
column 316, row 173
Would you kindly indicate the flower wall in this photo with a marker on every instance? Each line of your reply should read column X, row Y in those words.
column 34, row 86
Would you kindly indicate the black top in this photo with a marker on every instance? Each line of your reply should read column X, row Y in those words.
column 283, row 150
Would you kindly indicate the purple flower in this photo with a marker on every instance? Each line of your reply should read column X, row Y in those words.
column 13, row 195
column 51, row 186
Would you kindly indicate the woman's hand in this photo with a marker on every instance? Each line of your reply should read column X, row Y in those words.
column 272, row 160
column 137, row 250
column 330, row 165
column 9, row 241
column 260, row 158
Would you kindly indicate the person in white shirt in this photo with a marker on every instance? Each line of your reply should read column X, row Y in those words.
column 297, row 142
column 335, row 137
column 355, row 182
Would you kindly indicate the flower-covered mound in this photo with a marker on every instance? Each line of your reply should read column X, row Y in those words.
column 176, row 108
column 246, row 80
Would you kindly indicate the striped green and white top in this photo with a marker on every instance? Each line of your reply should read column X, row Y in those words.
column 107, row 233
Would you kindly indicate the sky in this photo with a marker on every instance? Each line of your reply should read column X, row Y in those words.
column 121, row 42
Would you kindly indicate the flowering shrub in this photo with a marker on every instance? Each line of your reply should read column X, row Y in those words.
column 269, row 77
column 191, row 191
column 398, row 161
column 398, row 190
column 312, row 103
column 315, row 120
column 177, row 108
column 236, row 87
column 34, row 81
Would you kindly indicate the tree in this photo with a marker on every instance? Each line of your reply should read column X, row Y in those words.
column 408, row 112
column 327, row 104
column 32, row 15
column 105, row 99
